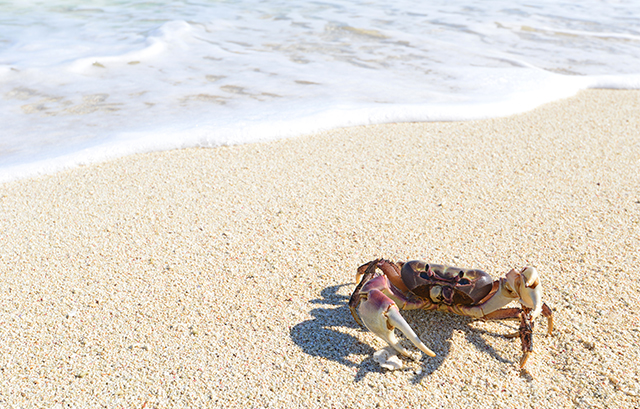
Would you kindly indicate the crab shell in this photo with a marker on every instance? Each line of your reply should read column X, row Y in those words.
column 446, row 284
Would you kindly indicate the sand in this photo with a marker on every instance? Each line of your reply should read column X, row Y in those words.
column 220, row 277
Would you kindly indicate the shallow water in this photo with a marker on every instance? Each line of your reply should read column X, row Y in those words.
column 80, row 84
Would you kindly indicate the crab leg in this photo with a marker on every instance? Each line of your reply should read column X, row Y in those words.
column 525, row 332
column 526, row 336
column 546, row 312
column 514, row 313
column 381, row 315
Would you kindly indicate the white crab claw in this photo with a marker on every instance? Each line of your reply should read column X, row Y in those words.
column 531, row 276
column 526, row 284
column 380, row 315
column 396, row 320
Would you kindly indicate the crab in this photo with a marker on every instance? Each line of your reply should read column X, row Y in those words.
column 385, row 287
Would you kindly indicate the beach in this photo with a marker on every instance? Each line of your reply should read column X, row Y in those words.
column 220, row 277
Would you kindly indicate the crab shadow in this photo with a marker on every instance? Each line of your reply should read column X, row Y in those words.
column 324, row 336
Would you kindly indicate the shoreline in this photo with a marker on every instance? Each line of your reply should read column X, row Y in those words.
column 220, row 276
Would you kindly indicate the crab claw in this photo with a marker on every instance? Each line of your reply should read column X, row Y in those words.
column 381, row 315
column 526, row 284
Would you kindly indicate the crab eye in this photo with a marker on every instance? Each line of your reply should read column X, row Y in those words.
column 461, row 279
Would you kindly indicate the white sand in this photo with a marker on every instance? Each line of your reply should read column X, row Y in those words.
column 219, row 277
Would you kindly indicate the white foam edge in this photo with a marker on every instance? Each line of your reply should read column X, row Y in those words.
column 129, row 143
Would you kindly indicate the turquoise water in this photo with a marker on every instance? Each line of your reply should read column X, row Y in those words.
column 82, row 83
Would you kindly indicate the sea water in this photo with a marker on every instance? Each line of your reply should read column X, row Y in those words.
column 86, row 81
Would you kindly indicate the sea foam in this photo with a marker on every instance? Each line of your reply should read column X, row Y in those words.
column 83, row 84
